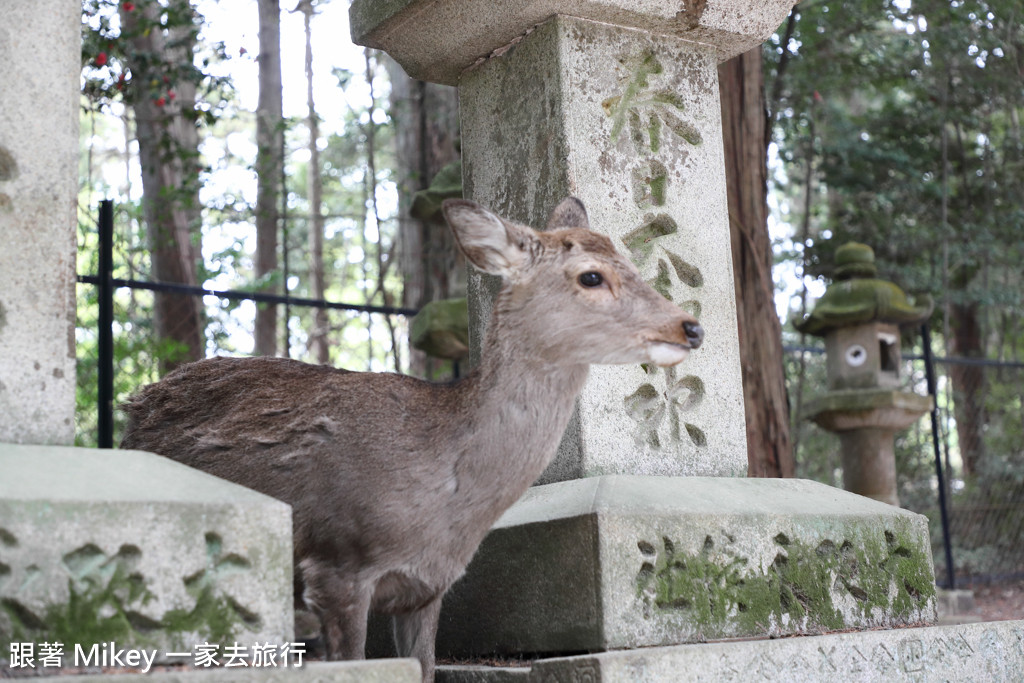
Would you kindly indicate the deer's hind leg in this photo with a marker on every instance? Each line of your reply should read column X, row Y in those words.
column 415, row 634
column 342, row 603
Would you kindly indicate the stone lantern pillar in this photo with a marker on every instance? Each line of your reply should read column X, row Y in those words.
column 859, row 316
column 643, row 531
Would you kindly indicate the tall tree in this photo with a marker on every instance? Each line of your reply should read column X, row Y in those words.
column 741, row 84
column 269, row 164
column 161, row 43
column 314, row 189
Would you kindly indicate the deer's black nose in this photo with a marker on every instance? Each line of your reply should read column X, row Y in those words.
column 694, row 334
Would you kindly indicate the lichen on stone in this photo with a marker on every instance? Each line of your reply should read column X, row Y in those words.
column 858, row 580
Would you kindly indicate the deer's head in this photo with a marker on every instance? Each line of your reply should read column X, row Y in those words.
column 569, row 291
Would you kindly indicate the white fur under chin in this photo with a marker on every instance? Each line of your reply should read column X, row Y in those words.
column 663, row 353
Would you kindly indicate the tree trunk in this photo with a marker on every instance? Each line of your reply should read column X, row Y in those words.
column 744, row 120
column 269, row 161
column 426, row 120
column 318, row 335
column 168, row 153
column 969, row 386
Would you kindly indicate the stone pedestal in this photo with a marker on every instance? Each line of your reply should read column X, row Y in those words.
column 100, row 546
column 866, row 421
column 615, row 562
column 977, row 653
column 38, row 196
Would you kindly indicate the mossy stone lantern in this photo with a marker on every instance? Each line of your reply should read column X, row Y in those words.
column 859, row 316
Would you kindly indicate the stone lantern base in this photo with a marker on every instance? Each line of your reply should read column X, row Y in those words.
column 867, row 421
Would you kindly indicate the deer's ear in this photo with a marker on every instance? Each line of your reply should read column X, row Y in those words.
column 491, row 244
column 569, row 214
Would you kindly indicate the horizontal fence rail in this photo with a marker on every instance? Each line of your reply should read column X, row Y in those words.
column 102, row 379
column 241, row 295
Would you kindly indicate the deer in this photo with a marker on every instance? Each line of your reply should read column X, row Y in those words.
column 394, row 481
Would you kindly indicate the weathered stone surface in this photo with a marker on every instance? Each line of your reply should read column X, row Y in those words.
column 435, row 40
column 629, row 561
column 845, row 410
column 133, row 548
column 482, row 674
column 857, row 297
column 991, row 652
column 38, row 196
column 630, row 124
column 369, row 671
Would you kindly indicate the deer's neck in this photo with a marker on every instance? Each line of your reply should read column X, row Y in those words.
column 517, row 408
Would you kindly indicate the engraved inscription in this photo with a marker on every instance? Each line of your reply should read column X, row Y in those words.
column 646, row 110
column 650, row 183
column 911, row 655
column 654, row 117
column 826, row 662
column 651, row 410
column 109, row 594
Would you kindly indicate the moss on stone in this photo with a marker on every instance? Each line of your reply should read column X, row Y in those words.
column 889, row 578
column 97, row 610
column 107, row 597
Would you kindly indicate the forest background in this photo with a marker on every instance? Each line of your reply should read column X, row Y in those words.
column 249, row 145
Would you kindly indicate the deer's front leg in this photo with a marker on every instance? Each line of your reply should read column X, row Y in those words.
column 415, row 633
column 342, row 604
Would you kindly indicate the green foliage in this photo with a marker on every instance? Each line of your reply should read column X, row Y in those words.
column 109, row 56
column 909, row 118
column 898, row 125
column 359, row 257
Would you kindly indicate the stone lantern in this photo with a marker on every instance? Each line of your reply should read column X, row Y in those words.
column 859, row 316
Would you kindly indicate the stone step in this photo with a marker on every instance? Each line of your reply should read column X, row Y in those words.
column 368, row 671
column 626, row 561
column 990, row 652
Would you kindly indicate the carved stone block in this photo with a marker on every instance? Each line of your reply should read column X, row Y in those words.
column 100, row 546
column 631, row 561
column 987, row 652
column 436, row 40
column 629, row 123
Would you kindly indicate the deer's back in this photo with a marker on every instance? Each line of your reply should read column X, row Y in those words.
column 360, row 457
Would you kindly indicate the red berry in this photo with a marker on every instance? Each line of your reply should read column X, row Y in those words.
column 160, row 101
column 129, row 6
column 101, row 59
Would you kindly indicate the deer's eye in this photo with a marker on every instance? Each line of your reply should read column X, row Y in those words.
column 591, row 279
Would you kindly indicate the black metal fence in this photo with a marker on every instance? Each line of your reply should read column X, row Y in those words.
column 962, row 466
column 118, row 351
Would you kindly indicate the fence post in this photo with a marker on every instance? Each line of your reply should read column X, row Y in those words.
column 929, row 369
column 105, row 341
